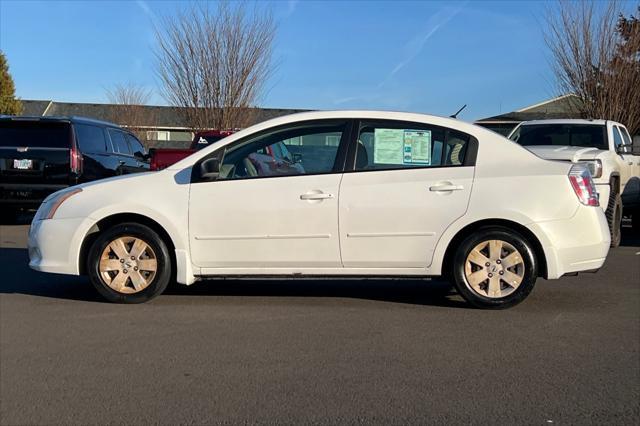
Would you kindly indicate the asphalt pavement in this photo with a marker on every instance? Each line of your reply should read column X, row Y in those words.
column 312, row 351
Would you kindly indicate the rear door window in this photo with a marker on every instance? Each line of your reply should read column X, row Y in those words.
column 120, row 144
column 91, row 139
column 389, row 145
column 37, row 134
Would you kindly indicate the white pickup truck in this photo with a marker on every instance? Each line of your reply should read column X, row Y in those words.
column 608, row 150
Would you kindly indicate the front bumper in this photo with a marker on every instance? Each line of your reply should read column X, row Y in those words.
column 578, row 244
column 54, row 244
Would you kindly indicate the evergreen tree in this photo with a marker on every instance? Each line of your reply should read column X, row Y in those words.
column 8, row 102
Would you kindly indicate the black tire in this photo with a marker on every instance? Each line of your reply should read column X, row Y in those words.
column 155, row 286
column 635, row 220
column 528, row 268
column 614, row 219
column 8, row 215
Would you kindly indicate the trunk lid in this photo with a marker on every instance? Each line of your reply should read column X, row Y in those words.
column 564, row 153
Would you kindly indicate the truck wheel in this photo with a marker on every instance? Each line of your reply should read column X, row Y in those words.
column 129, row 263
column 494, row 268
column 635, row 220
column 614, row 218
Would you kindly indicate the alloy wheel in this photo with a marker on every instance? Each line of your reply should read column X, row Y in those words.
column 494, row 269
column 128, row 265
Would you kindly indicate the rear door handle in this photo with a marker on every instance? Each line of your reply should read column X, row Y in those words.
column 446, row 188
column 315, row 196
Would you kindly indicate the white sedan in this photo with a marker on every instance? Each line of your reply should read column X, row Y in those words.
column 343, row 193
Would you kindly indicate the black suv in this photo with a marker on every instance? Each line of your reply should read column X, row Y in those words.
column 40, row 155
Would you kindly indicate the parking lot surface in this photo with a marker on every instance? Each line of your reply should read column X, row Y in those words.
column 311, row 351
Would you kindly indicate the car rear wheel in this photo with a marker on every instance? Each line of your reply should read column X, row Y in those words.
column 129, row 263
column 494, row 268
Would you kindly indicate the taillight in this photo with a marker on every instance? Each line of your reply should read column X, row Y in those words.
column 583, row 185
column 75, row 160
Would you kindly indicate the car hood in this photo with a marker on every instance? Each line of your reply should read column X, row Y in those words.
column 127, row 177
column 566, row 153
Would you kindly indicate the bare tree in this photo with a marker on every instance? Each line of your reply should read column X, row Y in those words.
column 129, row 109
column 595, row 60
column 215, row 63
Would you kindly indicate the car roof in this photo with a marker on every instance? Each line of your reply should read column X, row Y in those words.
column 453, row 123
column 71, row 119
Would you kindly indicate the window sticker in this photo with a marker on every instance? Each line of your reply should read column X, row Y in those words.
column 388, row 146
column 417, row 147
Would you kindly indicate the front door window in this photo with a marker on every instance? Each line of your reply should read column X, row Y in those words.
column 301, row 150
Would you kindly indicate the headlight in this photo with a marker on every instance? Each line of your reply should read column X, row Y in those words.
column 595, row 168
column 48, row 209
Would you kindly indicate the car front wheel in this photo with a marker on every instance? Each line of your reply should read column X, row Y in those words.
column 129, row 263
column 494, row 268
column 614, row 219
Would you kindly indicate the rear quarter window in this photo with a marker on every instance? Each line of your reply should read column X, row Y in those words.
column 91, row 138
column 37, row 134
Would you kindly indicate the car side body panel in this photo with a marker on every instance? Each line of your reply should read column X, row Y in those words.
column 168, row 193
column 508, row 183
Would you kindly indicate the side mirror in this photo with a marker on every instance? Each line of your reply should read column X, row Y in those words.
column 625, row 148
column 210, row 169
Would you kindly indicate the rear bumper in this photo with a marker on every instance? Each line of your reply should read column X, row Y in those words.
column 574, row 245
column 54, row 244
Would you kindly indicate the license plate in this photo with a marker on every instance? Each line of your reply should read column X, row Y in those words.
column 23, row 164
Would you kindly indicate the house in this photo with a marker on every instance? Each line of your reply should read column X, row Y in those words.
column 158, row 126
column 565, row 106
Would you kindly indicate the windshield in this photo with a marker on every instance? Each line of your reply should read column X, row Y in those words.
column 587, row 135
column 34, row 134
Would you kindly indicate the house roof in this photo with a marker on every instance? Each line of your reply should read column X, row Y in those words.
column 162, row 117
column 565, row 106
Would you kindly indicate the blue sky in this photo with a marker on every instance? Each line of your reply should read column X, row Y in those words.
column 422, row 56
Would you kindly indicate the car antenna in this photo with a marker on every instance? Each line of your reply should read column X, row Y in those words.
column 456, row 114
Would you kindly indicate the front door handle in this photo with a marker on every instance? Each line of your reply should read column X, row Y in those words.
column 315, row 196
column 446, row 188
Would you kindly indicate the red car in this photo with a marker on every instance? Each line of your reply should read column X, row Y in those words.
column 163, row 158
